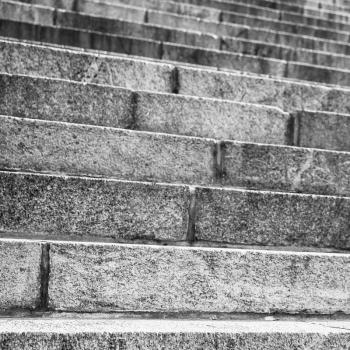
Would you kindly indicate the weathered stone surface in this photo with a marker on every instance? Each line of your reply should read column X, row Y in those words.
column 47, row 146
column 82, row 334
column 270, row 218
column 265, row 49
column 137, row 30
column 81, row 39
column 242, row 31
column 223, row 59
column 19, row 274
column 287, row 95
column 211, row 118
column 323, row 130
column 57, row 206
column 62, row 100
column 22, row 58
column 106, row 277
column 286, row 168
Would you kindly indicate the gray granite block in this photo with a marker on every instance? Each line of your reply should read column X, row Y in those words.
column 47, row 146
column 271, row 218
column 110, row 277
column 67, row 101
column 130, row 334
column 87, row 208
column 20, row 277
column 22, row 58
column 287, row 95
column 220, row 119
column 323, row 130
column 290, row 169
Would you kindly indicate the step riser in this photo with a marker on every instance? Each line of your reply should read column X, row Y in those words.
column 49, row 206
column 118, row 153
column 172, row 52
column 124, row 211
column 130, row 334
column 17, row 58
column 195, row 280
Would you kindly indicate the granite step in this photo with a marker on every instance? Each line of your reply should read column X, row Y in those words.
column 174, row 52
column 74, row 208
column 137, row 11
column 103, row 105
column 154, row 19
column 262, row 10
column 78, row 149
column 140, row 74
column 129, row 334
column 87, row 277
column 104, row 277
column 239, row 31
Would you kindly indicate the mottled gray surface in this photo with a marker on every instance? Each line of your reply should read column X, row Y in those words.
column 79, row 334
column 68, row 101
column 268, row 218
column 291, row 169
column 253, row 33
column 54, row 206
column 19, row 274
column 324, row 130
column 287, row 95
column 50, row 99
column 48, row 146
column 211, row 118
column 21, row 58
column 104, row 277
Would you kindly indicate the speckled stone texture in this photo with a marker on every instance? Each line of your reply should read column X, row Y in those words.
column 105, row 277
column 82, row 39
column 211, row 118
column 268, row 218
column 323, row 130
column 292, row 169
column 19, row 274
column 49, row 99
column 54, row 206
column 21, row 58
column 48, row 146
column 287, row 95
column 58, row 334
column 252, row 33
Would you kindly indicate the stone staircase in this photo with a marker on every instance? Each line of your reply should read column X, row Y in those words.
column 175, row 174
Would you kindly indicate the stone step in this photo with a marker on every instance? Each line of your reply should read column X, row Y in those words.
column 265, row 11
column 72, row 19
column 245, row 32
column 88, row 277
column 93, row 67
column 68, row 101
column 129, row 334
column 66, row 207
column 307, row 15
column 174, row 52
column 143, row 156
column 137, row 11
